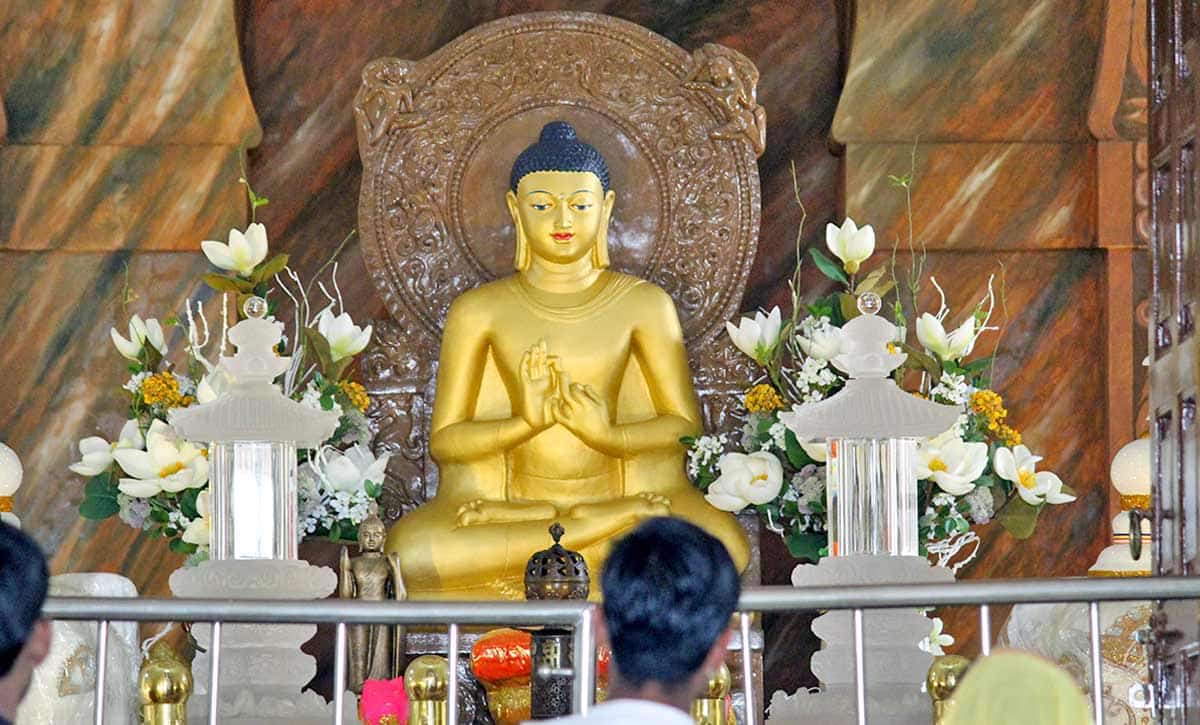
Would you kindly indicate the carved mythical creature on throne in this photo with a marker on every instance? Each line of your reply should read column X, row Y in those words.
column 558, row 392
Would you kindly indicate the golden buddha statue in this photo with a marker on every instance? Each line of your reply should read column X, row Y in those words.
column 562, row 393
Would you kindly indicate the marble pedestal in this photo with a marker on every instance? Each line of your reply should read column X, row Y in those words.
column 895, row 666
column 263, row 670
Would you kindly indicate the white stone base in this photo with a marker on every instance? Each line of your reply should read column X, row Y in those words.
column 262, row 667
column 895, row 666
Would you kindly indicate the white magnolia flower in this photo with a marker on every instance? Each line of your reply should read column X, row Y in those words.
column 210, row 387
column 820, row 339
column 140, row 332
column 936, row 640
column 242, row 254
column 850, row 244
column 952, row 463
column 199, row 530
column 953, row 346
column 745, row 479
column 816, row 450
column 344, row 337
column 350, row 470
column 1035, row 487
column 97, row 454
column 757, row 336
column 168, row 464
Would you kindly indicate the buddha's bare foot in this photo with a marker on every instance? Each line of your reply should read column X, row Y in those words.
column 642, row 505
column 481, row 511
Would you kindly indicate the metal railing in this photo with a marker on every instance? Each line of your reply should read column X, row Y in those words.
column 578, row 615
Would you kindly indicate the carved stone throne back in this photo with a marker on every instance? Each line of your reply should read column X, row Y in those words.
column 681, row 133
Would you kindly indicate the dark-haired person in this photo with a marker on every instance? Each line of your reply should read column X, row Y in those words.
column 669, row 591
column 24, row 635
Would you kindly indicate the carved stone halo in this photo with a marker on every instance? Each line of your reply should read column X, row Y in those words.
column 438, row 136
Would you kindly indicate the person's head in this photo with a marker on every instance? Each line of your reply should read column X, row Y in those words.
column 560, row 200
column 669, row 592
column 24, row 636
column 1010, row 687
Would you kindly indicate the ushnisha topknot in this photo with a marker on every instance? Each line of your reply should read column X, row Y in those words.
column 558, row 149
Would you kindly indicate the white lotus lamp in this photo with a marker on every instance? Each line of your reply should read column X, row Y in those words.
column 11, row 474
column 253, row 431
column 871, row 428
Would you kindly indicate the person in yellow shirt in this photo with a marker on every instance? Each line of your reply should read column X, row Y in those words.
column 1009, row 687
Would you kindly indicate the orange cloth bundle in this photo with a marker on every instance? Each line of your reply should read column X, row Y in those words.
column 502, row 655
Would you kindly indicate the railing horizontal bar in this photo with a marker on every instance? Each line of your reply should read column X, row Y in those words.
column 329, row 611
column 762, row 599
column 1012, row 591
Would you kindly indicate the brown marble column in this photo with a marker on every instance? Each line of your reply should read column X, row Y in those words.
column 988, row 104
column 124, row 122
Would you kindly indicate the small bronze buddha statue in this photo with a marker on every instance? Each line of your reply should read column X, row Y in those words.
column 371, row 576
column 562, row 393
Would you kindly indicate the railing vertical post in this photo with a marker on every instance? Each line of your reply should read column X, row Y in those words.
column 985, row 630
column 214, row 679
column 584, row 661
column 339, row 674
column 452, row 703
column 1097, row 666
column 860, row 670
column 101, row 668
column 748, row 671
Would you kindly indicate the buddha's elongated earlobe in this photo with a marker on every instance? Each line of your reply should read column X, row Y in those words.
column 600, row 250
column 521, row 259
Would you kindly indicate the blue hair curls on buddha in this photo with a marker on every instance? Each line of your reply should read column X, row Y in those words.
column 559, row 150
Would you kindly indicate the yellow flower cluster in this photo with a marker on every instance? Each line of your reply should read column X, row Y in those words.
column 356, row 393
column 163, row 389
column 763, row 398
column 989, row 405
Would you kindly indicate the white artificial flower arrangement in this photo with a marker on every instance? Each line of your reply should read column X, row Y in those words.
column 977, row 471
column 154, row 481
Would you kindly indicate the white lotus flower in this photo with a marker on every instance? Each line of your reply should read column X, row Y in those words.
column 954, row 346
column 756, row 337
column 140, row 332
column 952, row 463
column 936, row 640
column 745, row 479
column 349, row 471
column 242, row 254
column 824, row 342
column 96, row 454
column 1019, row 466
column 169, row 463
column 344, row 337
column 199, row 530
column 850, row 244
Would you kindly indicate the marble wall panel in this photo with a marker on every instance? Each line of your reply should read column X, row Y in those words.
column 107, row 198
column 943, row 70
column 63, row 380
column 127, row 73
column 1000, row 196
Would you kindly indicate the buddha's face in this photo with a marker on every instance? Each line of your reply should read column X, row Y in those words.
column 561, row 213
column 371, row 537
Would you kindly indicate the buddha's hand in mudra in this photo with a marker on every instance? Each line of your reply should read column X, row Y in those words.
column 581, row 410
column 539, row 386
